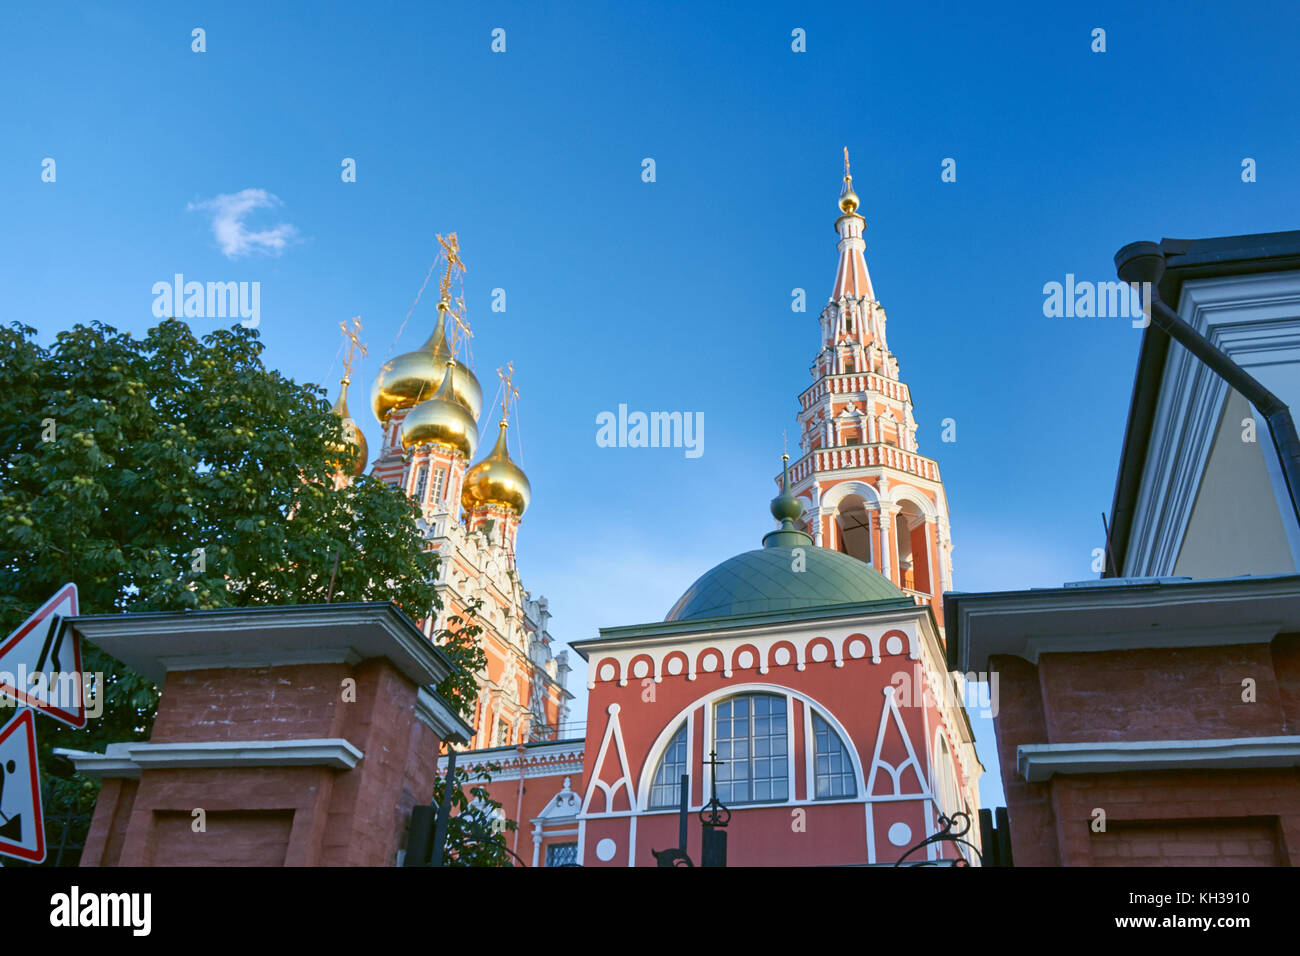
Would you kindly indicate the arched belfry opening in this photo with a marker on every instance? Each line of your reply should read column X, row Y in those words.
column 911, row 533
column 853, row 528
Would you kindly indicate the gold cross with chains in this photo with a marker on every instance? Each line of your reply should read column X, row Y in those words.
column 507, row 379
column 451, row 246
column 353, row 336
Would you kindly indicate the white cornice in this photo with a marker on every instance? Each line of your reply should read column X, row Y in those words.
column 1038, row 762
column 128, row 759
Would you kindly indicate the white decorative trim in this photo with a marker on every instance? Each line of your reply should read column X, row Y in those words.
column 614, row 731
column 1037, row 762
column 889, row 714
column 128, row 759
column 871, row 625
column 540, row 760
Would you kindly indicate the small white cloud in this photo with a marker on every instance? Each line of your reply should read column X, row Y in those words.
column 235, row 239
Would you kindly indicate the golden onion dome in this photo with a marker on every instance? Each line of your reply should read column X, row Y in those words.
column 496, row 480
column 441, row 420
column 351, row 433
column 411, row 377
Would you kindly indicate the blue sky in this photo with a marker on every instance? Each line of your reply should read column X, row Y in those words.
column 671, row 295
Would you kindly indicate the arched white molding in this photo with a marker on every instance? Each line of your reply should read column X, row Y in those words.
column 900, row 493
column 833, row 495
column 687, row 714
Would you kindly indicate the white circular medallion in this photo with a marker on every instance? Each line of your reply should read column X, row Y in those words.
column 900, row 834
column 818, row 653
column 640, row 669
column 782, row 656
column 710, row 663
column 857, row 649
column 606, row 848
column 606, row 671
column 674, row 665
column 894, row 645
column 744, row 660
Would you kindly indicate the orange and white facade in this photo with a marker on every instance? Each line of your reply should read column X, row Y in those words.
column 869, row 492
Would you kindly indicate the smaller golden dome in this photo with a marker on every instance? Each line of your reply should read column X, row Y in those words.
column 496, row 480
column 351, row 433
column 441, row 420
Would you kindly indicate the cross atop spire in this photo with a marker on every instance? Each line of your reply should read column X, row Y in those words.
column 507, row 380
column 353, row 336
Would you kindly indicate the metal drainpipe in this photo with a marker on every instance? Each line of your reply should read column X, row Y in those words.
column 1145, row 262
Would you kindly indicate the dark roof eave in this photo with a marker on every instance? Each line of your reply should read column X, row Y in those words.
column 1185, row 259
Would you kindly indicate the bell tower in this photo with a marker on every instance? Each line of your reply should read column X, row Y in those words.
column 868, row 491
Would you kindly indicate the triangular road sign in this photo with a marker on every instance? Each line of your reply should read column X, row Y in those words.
column 22, row 829
column 40, row 662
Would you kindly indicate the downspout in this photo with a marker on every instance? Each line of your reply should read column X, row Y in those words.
column 1144, row 262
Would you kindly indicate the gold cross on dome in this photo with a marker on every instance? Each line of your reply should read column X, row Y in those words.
column 846, row 163
column 459, row 325
column 451, row 247
column 507, row 379
column 353, row 336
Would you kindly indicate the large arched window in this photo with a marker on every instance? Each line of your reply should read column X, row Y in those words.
column 833, row 771
column 750, row 737
column 666, row 790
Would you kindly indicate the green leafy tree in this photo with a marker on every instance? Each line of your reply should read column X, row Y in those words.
column 179, row 473
column 477, row 828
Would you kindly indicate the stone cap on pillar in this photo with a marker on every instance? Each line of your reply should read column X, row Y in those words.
column 154, row 642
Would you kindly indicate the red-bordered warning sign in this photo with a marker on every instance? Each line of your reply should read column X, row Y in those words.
column 40, row 662
column 22, row 826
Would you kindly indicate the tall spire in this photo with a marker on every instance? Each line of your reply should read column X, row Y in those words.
column 851, row 278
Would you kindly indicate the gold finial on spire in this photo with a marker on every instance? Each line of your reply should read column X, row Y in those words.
column 353, row 336
column 507, row 380
column 848, row 198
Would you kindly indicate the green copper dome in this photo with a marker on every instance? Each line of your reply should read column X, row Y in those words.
column 775, row 578
column 763, row 581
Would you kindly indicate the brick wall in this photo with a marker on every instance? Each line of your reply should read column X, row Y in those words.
column 1173, row 817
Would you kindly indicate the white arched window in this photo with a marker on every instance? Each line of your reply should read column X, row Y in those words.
column 666, row 790
column 751, row 734
column 832, row 770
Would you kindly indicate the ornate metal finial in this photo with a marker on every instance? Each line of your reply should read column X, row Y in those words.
column 714, row 813
column 354, row 345
column 848, row 177
column 785, row 445
column 507, row 380
column 951, row 830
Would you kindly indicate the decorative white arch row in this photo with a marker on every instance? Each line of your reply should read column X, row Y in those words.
column 687, row 715
column 855, row 642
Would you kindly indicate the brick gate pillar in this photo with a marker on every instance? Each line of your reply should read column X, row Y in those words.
column 285, row 736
